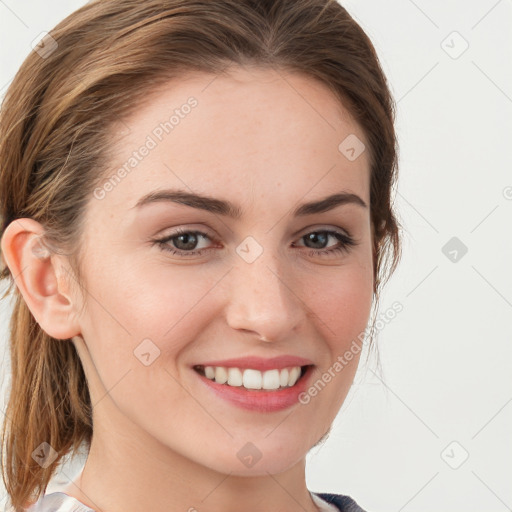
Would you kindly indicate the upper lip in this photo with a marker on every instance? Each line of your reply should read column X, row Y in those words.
column 260, row 363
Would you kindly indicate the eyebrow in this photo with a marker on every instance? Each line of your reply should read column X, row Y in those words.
column 226, row 208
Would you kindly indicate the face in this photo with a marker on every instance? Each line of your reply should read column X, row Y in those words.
column 173, row 284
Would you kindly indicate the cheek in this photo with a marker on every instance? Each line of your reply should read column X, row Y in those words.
column 143, row 312
column 340, row 308
column 140, row 297
column 342, row 303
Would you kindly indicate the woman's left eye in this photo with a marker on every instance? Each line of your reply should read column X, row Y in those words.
column 345, row 241
column 188, row 241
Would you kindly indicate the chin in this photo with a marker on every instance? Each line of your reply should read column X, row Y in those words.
column 249, row 460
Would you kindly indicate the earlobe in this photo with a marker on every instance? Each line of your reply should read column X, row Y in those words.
column 36, row 272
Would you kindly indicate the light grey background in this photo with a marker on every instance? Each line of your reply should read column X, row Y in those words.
column 445, row 390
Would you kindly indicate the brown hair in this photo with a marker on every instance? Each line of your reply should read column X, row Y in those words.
column 54, row 136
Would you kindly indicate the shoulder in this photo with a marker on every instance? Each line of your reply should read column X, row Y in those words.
column 342, row 502
column 58, row 502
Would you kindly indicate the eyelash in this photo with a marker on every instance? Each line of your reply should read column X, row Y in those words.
column 346, row 243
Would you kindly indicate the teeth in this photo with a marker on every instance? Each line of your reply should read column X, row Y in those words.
column 271, row 379
column 294, row 374
column 283, row 377
column 221, row 374
column 234, row 377
column 250, row 378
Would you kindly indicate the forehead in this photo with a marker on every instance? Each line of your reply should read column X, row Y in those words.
column 252, row 132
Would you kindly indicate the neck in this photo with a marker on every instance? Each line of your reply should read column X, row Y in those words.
column 121, row 475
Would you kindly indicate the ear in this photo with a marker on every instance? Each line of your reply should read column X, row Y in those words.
column 40, row 278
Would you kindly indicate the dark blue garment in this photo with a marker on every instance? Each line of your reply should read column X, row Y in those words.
column 344, row 503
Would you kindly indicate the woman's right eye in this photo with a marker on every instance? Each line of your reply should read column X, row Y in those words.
column 185, row 238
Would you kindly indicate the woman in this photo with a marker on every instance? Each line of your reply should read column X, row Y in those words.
column 196, row 223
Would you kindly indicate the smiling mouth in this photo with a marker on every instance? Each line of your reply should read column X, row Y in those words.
column 252, row 379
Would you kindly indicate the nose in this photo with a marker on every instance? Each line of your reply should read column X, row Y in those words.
column 263, row 299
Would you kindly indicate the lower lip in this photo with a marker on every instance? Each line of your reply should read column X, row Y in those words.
column 259, row 400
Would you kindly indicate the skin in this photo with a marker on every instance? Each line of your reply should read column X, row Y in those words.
column 162, row 441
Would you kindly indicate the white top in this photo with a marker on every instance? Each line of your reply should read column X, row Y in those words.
column 61, row 502
column 322, row 505
column 58, row 502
